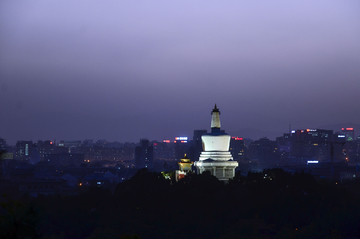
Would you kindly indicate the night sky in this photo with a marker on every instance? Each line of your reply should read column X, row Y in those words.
column 124, row 70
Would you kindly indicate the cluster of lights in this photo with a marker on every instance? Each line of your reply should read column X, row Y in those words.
column 347, row 129
column 181, row 138
column 237, row 138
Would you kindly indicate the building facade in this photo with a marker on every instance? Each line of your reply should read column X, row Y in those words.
column 144, row 154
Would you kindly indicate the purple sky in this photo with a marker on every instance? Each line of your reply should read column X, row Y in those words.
column 124, row 70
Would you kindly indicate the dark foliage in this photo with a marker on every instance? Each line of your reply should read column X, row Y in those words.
column 271, row 204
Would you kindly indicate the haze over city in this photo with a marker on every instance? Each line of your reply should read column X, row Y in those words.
column 126, row 70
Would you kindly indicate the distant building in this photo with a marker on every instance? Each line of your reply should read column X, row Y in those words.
column 349, row 133
column 311, row 143
column 265, row 151
column 237, row 148
column 45, row 148
column 23, row 150
column 88, row 143
column 181, row 146
column 70, row 145
column 284, row 143
column 35, row 156
column 144, row 154
column 2, row 156
column 2, row 145
column 163, row 150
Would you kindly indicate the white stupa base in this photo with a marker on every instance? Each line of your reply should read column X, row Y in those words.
column 223, row 170
column 216, row 155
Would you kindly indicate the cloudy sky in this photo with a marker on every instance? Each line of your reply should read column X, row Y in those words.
column 124, row 70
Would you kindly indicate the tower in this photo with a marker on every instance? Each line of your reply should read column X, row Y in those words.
column 144, row 154
column 349, row 133
column 216, row 156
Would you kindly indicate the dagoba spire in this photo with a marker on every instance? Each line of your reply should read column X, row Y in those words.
column 215, row 120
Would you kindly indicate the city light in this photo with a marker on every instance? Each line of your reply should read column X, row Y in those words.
column 237, row 138
column 181, row 138
column 312, row 161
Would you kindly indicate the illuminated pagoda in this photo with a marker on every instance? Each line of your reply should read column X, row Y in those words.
column 216, row 157
column 184, row 168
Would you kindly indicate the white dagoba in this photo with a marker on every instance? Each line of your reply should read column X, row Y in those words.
column 216, row 157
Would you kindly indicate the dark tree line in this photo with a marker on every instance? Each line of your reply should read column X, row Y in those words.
column 271, row 204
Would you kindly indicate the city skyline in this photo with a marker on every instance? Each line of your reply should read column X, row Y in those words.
column 248, row 134
column 125, row 71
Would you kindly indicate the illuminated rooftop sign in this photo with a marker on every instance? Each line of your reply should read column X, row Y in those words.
column 237, row 138
column 181, row 138
column 312, row 161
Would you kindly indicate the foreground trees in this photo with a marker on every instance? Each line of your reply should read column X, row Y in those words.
column 271, row 204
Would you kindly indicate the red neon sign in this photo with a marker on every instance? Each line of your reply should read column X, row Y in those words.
column 237, row 138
